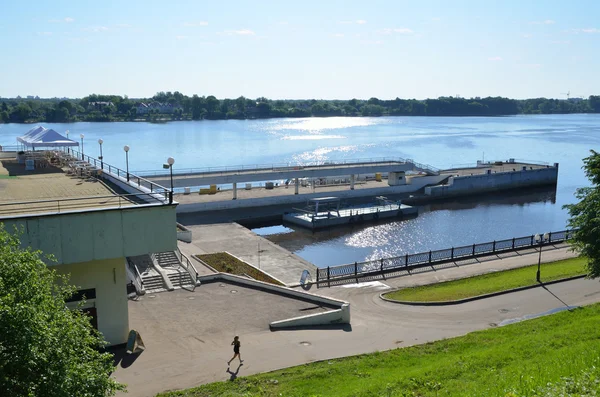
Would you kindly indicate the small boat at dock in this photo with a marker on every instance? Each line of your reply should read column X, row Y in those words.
column 324, row 212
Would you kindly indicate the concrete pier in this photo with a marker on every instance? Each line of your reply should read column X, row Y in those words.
column 452, row 182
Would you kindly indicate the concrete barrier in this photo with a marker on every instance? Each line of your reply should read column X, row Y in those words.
column 339, row 315
column 473, row 184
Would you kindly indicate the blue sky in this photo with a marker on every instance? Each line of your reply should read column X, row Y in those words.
column 308, row 49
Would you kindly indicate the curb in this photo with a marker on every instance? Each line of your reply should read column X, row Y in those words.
column 478, row 297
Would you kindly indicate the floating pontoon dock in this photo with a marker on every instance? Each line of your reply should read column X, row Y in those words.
column 325, row 212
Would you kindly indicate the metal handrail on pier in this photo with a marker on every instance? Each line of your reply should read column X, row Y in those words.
column 289, row 166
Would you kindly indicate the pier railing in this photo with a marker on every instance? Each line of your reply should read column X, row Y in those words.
column 410, row 262
column 133, row 179
column 288, row 166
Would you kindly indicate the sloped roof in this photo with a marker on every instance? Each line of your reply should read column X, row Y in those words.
column 42, row 137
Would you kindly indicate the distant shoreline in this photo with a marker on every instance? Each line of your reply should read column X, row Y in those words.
column 167, row 120
column 169, row 106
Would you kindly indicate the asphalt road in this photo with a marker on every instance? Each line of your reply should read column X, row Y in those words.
column 376, row 325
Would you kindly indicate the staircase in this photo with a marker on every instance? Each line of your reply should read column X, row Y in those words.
column 152, row 281
column 178, row 275
column 426, row 168
column 167, row 259
column 181, row 279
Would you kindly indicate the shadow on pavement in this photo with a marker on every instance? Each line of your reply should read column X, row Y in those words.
column 554, row 295
column 122, row 358
column 234, row 374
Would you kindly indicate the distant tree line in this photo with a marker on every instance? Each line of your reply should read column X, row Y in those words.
column 182, row 107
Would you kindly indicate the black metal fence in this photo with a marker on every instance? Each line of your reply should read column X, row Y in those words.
column 424, row 259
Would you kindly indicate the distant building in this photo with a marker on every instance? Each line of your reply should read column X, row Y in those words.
column 166, row 108
column 100, row 106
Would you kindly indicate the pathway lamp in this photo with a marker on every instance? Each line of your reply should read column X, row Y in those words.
column 169, row 165
column 68, row 148
column 126, row 148
column 100, row 142
column 540, row 239
column 81, row 136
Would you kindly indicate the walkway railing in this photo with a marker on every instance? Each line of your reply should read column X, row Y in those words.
column 288, row 166
column 9, row 148
column 76, row 204
column 132, row 178
column 424, row 259
column 138, row 282
column 188, row 265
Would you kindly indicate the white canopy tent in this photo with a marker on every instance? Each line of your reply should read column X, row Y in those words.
column 40, row 137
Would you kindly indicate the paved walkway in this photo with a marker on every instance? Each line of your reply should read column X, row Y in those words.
column 376, row 325
column 248, row 246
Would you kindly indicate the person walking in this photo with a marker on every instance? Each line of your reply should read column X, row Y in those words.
column 236, row 350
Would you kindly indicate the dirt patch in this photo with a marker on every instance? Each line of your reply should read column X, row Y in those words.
column 225, row 263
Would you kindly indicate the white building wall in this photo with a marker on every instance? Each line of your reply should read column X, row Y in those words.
column 109, row 279
column 100, row 234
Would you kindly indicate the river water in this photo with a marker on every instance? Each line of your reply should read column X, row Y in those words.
column 440, row 141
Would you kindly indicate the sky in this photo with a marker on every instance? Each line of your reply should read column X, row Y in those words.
column 325, row 49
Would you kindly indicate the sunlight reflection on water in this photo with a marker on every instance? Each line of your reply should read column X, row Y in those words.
column 316, row 124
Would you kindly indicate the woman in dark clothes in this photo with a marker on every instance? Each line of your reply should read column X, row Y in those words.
column 236, row 350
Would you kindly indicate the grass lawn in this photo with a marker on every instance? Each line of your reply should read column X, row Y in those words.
column 555, row 355
column 488, row 283
column 223, row 262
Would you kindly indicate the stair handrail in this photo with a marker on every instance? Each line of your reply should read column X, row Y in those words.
column 189, row 266
column 138, row 282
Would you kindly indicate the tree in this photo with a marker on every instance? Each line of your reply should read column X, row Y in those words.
column 594, row 101
column 45, row 349
column 196, row 107
column 20, row 113
column 585, row 216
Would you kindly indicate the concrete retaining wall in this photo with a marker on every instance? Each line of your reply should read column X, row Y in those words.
column 474, row 184
column 183, row 233
column 413, row 184
column 341, row 315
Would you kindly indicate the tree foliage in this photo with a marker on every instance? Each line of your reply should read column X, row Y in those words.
column 585, row 215
column 197, row 107
column 45, row 349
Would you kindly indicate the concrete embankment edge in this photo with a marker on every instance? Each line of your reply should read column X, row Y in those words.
column 474, row 298
column 339, row 315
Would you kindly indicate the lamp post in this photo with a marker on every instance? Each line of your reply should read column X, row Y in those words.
column 169, row 165
column 81, row 136
column 68, row 148
column 100, row 142
column 540, row 239
column 126, row 148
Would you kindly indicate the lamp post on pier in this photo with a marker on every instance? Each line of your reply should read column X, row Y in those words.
column 169, row 165
column 81, row 136
column 540, row 239
column 68, row 148
column 100, row 142
column 126, row 148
